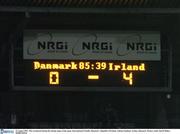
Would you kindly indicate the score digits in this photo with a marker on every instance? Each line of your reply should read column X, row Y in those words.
column 54, row 78
column 128, row 78
column 126, row 69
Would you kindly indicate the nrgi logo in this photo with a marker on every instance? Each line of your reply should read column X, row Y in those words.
column 142, row 46
column 52, row 45
column 45, row 42
column 97, row 46
column 136, row 46
column 90, row 43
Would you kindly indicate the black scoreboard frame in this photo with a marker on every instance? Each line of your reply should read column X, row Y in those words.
column 102, row 89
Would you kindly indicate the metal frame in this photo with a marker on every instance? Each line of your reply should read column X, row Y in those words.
column 12, row 63
column 90, row 10
column 92, row 89
column 170, row 65
column 18, row 28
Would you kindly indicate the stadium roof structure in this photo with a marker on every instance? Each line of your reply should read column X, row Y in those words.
column 144, row 6
column 93, row 3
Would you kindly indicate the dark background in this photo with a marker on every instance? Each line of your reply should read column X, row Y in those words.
column 42, row 109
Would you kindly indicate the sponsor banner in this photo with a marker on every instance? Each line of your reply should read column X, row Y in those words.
column 92, row 45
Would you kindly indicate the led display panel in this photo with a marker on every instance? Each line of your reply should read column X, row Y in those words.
column 91, row 61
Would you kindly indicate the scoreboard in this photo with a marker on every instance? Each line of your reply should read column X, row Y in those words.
column 91, row 61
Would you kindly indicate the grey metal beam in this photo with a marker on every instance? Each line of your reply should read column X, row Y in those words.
column 92, row 10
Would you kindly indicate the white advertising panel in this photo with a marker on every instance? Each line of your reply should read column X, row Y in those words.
column 91, row 45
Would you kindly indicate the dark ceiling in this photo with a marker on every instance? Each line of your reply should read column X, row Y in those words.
column 93, row 3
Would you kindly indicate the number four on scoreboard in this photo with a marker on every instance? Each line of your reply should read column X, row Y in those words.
column 129, row 78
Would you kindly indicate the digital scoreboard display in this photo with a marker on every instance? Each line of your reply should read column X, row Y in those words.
column 91, row 61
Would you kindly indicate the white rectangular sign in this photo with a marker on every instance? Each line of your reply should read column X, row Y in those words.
column 91, row 45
